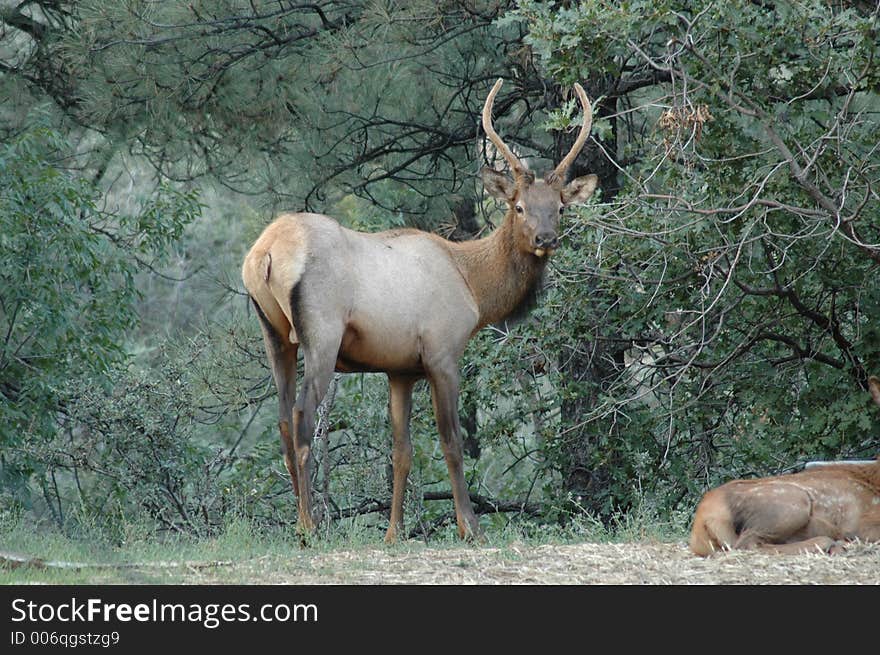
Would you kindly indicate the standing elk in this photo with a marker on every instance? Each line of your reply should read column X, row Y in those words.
column 403, row 302
column 815, row 510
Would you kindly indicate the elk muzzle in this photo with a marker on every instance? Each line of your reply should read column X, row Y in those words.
column 545, row 243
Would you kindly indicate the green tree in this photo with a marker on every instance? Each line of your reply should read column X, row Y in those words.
column 727, row 314
column 67, row 285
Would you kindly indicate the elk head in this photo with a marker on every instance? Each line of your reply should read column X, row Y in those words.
column 537, row 203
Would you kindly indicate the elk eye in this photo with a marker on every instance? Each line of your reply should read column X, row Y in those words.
column 519, row 209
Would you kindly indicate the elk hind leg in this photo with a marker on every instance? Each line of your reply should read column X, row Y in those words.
column 779, row 515
column 319, row 364
column 282, row 359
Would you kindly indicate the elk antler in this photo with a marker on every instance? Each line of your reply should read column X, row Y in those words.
column 516, row 166
column 560, row 170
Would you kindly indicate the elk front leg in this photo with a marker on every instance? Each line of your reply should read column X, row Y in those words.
column 400, row 408
column 444, row 391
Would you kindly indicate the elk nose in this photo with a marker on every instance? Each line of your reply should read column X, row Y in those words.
column 546, row 240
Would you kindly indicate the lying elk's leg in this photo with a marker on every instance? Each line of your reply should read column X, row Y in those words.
column 400, row 408
column 778, row 511
column 444, row 390
column 814, row 545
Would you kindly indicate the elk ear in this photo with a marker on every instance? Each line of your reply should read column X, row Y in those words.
column 497, row 184
column 579, row 189
column 874, row 388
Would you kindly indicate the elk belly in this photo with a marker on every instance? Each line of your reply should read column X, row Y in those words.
column 366, row 351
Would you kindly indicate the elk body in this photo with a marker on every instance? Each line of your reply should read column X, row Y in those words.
column 816, row 509
column 402, row 302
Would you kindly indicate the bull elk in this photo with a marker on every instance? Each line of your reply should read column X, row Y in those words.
column 815, row 510
column 403, row 302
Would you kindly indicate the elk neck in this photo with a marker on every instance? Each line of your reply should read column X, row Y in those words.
column 502, row 278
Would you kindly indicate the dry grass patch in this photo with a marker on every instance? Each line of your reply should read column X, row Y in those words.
column 579, row 564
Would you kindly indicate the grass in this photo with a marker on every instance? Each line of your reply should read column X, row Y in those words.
column 244, row 553
column 635, row 549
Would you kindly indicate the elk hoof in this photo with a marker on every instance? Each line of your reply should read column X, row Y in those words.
column 473, row 535
column 391, row 535
column 836, row 548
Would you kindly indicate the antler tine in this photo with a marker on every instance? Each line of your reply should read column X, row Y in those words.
column 516, row 166
column 562, row 167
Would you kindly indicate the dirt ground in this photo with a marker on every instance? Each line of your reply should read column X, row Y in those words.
column 651, row 563
column 578, row 564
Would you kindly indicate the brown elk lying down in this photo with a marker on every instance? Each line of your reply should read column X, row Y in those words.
column 814, row 510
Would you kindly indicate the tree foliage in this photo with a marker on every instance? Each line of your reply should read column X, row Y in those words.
column 68, row 292
column 733, row 287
